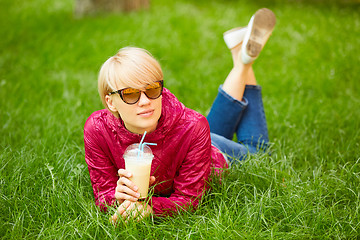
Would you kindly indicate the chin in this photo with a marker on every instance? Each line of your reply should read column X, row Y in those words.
column 151, row 124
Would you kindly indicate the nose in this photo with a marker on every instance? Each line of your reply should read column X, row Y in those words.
column 144, row 100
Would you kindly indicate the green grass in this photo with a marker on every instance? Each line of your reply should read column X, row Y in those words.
column 308, row 188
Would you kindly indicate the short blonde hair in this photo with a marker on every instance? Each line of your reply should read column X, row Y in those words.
column 131, row 67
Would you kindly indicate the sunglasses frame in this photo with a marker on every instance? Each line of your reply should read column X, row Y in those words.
column 120, row 92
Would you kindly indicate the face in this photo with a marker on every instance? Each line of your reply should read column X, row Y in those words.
column 139, row 117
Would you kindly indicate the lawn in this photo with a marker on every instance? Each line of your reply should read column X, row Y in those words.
column 308, row 188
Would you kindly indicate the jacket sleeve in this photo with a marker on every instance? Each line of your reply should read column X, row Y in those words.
column 190, row 182
column 103, row 173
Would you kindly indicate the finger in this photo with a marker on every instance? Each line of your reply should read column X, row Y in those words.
column 122, row 188
column 124, row 173
column 145, row 211
column 141, row 216
column 127, row 208
column 139, row 212
column 134, row 210
column 123, row 208
column 125, row 181
column 113, row 218
column 152, row 180
column 125, row 189
column 122, row 196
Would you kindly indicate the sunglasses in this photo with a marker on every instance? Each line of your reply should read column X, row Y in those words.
column 132, row 95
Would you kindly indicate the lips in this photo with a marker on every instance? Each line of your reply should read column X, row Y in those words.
column 146, row 113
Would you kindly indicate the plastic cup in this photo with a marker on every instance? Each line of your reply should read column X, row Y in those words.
column 138, row 162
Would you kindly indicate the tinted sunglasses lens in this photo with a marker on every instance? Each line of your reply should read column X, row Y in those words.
column 130, row 95
column 154, row 90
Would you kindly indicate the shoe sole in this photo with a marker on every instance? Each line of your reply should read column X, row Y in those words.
column 263, row 25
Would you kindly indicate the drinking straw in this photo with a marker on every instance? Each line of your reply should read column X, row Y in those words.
column 141, row 145
column 141, row 149
column 146, row 143
column 142, row 139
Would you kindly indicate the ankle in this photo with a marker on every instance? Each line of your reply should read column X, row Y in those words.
column 243, row 70
column 236, row 55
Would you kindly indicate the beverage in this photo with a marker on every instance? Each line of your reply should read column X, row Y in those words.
column 140, row 174
column 138, row 162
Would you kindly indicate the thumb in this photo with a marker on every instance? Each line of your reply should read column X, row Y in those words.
column 152, row 180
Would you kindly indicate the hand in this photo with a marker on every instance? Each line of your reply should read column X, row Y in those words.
column 131, row 210
column 126, row 189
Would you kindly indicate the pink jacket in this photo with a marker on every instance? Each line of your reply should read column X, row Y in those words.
column 182, row 162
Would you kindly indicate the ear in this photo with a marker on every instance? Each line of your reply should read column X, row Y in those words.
column 109, row 102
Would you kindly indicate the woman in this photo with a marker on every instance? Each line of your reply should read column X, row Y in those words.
column 189, row 146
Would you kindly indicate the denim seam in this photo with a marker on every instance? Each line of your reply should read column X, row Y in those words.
column 253, row 87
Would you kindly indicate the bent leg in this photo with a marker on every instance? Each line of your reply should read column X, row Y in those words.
column 239, row 108
column 225, row 114
column 247, row 116
column 252, row 129
column 226, row 111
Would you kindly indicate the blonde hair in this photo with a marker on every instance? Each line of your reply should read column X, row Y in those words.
column 130, row 67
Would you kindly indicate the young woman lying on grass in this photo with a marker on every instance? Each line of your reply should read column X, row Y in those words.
column 189, row 145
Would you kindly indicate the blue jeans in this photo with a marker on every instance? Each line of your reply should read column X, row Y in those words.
column 246, row 118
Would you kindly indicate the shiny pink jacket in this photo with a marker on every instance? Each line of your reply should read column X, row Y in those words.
column 182, row 162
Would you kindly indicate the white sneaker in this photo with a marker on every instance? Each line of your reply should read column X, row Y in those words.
column 234, row 37
column 260, row 27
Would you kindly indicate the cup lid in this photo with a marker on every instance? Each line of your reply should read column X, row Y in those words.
column 133, row 150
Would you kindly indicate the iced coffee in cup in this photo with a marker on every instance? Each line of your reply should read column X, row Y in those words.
column 138, row 158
